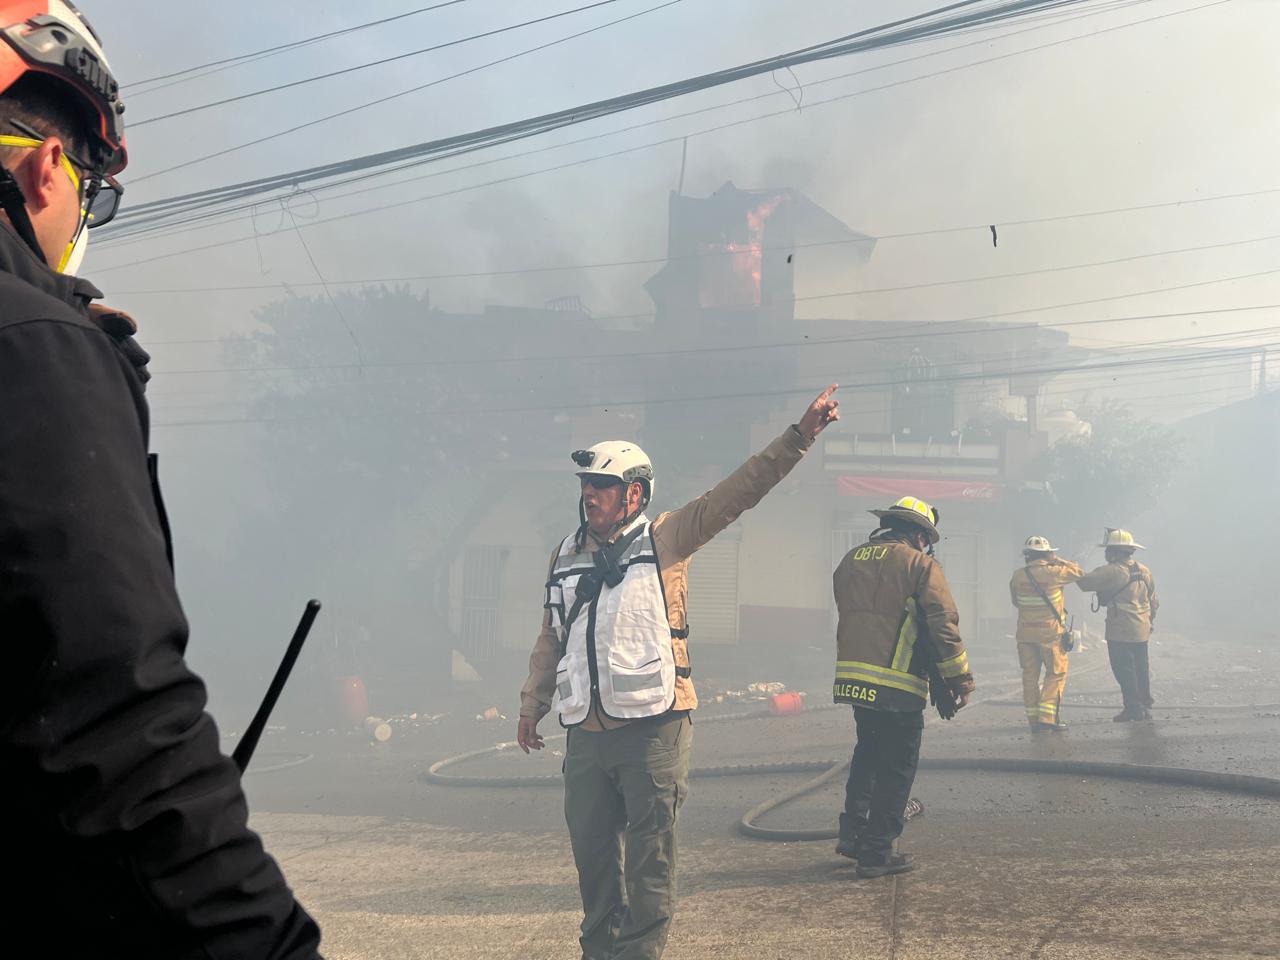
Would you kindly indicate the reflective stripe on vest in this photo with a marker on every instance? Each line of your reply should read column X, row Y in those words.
column 884, row 676
column 906, row 638
column 619, row 646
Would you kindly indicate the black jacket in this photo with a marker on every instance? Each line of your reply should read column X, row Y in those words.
column 124, row 825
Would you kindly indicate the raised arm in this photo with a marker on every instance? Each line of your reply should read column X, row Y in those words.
column 683, row 532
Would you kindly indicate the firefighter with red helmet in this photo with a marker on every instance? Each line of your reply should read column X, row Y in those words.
column 125, row 826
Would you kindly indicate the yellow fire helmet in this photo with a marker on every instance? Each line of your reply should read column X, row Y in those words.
column 914, row 510
column 1114, row 537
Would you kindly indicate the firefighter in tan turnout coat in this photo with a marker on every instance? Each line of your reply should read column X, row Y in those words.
column 1043, row 635
column 1128, row 591
column 898, row 633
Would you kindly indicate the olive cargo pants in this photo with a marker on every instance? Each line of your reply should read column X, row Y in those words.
column 623, row 790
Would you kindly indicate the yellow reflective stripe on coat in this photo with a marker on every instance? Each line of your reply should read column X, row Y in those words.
column 957, row 666
column 906, row 639
column 884, row 676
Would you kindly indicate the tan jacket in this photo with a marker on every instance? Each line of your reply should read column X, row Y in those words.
column 676, row 536
column 896, row 614
column 1131, row 612
column 1036, row 622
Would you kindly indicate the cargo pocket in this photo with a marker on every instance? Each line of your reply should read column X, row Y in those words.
column 637, row 686
column 568, row 698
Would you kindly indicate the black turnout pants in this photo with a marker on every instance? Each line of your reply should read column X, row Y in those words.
column 880, row 777
column 1132, row 671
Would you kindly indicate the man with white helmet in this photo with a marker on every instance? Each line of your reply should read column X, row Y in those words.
column 1043, row 634
column 124, row 824
column 897, row 644
column 1128, row 591
column 612, row 659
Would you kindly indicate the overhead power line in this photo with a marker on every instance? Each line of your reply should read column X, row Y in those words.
column 666, row 400
column 424, row 86
column 932, row 23
column 266, row 52
column 913, row 332
column 366, row 66
column 1072, row 384
column 175, row 209
column 369, row 281
column 224, row 214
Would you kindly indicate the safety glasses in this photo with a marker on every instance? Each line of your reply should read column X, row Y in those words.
column 600, row 481
column 99, row 194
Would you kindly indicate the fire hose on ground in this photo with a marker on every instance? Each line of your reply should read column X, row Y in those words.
column 829, row 770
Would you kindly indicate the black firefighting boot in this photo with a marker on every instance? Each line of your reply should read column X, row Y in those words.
column 889, row 865
column 1127, row 716
column 847, row 845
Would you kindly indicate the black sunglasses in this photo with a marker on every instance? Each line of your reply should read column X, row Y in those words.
column 101, row 194
column 598, row 481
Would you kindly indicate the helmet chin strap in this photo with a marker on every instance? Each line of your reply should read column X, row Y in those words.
column 584, row 528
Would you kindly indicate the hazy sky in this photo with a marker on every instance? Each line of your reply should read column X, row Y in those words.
column 1175, row 109
column 1103, row 117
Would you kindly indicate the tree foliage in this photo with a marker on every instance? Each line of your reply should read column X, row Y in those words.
column 1116, row 472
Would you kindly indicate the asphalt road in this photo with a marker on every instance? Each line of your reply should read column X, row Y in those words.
column 1012, row 865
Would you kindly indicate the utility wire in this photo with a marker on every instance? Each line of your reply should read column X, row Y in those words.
column 930, row 23
column 1039, row 271
column 1025, row 310
column 1225, row 358
column 147, row 213
column 332, row 302
column 283, row 47
column 1063, row 390
column 916, row 332
column 186, row 111
column 424, row 86
column 666, row 400
column 133, row 227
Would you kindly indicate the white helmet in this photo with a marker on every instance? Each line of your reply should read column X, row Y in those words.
column 1038, row 545
column 617, row 458
column 1120, row 538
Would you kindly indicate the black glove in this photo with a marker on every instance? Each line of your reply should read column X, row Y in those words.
column 941, row 694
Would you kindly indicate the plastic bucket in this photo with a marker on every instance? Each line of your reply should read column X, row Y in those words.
column 785, row 704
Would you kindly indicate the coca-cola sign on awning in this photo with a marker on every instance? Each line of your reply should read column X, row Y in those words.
column 892, row 488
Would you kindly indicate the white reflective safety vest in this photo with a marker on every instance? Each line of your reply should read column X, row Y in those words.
column 618, row 646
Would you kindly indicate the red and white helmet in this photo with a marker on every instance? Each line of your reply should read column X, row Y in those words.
column 52, row 39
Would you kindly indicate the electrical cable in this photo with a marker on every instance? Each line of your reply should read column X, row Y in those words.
column 128, row 226
column 283, row 47
column 909, row 28
column 424, row 86
column 186, row 111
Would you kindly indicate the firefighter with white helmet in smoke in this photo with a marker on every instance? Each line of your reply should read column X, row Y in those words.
column 1128, row 591
column 897, row 641
column 1044, row 633
column 612, row 659
column 124, row 824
